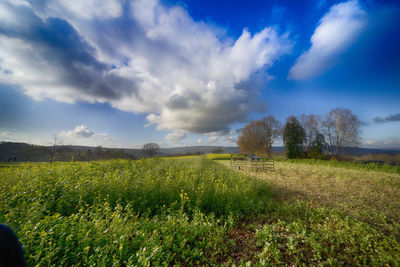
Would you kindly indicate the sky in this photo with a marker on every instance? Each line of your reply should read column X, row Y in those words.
column 122, row 73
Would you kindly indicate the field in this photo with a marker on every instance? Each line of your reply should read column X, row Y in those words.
column 197, row 211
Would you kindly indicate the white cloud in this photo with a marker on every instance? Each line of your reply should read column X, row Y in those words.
column 89, row 9
column 336, row 31
column 104, row 136
column 213, row 139
column 200, row 141
column 230, row 139
column 175, row 137
column 187, row 76
column 80, row 131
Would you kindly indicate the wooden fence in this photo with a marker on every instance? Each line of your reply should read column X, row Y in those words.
column 252, row 163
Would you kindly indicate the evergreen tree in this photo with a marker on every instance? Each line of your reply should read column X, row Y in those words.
column 293, row 137
column 317, row 146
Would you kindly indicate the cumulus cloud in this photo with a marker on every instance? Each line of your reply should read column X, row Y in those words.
column 89, row 9
column 390, row 118
column 230, row 139
column 175, row 137
column 80, row 131
column 139, row 56
column 200, row 141
column 336, row 31
column 50, row 59
column 213, row 139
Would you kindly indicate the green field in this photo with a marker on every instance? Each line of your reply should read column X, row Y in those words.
column 197, row 211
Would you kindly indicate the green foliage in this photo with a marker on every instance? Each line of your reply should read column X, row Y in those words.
column 144, row 212
column 317, row 146
column 119, row 236
column 300, row 235
column 218, row 156
column 293, row 137
column 184, row 212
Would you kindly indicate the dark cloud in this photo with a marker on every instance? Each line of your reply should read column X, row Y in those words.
column 57, row 43
column 379, row 120
column 395, row 117
column 177, row 102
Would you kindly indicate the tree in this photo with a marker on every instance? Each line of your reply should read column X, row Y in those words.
column 98, row 153
column 317, row 147
column 342, row 128
column 53, row 151
column 88, row 155
column 218, row 151
column 314, row 141
column 150, row 149
column 311, row 126
column 293, row 137
column 258, row 136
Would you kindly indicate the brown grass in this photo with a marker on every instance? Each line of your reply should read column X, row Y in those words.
column 388, row 158
column 371, row 200
column 357, row 192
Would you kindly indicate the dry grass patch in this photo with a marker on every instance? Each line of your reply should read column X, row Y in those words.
column 371, row 196
column 329, row 215
column 356, row 192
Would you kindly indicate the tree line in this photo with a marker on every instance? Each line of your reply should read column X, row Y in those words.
column 313, row 136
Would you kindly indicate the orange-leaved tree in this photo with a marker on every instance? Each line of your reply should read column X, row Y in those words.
column 258, row 136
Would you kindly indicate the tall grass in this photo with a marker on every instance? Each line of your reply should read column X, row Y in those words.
column 126, row 212
column 198, row 212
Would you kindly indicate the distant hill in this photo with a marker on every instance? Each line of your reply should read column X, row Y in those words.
column 35, row 153
column 28, row 152
column 197, row 149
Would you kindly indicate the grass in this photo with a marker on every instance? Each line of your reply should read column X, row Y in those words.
column 126, row 212
column 345, row 164
column 297, row 234
column 329, row 215
column 358, row 192
column 195, row 211
column 218, row 156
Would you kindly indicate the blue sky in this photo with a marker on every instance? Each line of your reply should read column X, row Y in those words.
column 125, row 73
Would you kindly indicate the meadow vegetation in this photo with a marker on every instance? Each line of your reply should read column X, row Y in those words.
column 330, row 213
column 196, row 211
column 126, row 212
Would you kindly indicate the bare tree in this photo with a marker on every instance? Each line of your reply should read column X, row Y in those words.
column 98, row 153
column 218, row 150
column 341, row 128
column 150, row 149
column 311, row 125
column 57, row 141
column 258, row 136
